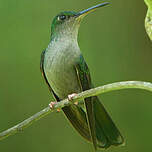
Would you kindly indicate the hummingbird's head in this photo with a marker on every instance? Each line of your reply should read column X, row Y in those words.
column 67, row 23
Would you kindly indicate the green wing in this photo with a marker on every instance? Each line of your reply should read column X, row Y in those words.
column 42, row 70
column 85, row 84
column 103, row 131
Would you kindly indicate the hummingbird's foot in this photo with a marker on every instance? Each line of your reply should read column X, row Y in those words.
column 70, row 97
column 51, row 105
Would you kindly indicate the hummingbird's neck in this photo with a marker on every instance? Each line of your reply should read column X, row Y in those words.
column 64, row 36
column 64, row 40
column 65, row 32
column 64, row 43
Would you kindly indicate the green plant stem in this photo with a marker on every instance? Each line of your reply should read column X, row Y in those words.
column 79, row 97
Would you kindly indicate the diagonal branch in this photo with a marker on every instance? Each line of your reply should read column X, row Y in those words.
column 79, row 97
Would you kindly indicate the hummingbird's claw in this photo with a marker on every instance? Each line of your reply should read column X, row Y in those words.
column 70, row 96
column 51, row 105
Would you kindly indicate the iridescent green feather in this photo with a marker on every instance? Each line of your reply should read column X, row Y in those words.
column 106, row 133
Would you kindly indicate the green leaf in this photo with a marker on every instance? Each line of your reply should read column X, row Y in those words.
column 148, row 19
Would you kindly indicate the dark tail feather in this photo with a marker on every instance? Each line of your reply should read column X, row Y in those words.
column 106, row 131
column 78, row 119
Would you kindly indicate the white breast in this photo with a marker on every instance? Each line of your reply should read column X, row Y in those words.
column 59, row 67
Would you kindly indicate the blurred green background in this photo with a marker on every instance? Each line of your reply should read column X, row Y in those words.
column 116, row 47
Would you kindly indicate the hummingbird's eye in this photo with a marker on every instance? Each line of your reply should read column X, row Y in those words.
column 61, row 17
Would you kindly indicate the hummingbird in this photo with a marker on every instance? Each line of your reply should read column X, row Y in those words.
column 66, row 74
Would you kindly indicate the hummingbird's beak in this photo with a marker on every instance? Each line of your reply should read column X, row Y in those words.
column 91, row 9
